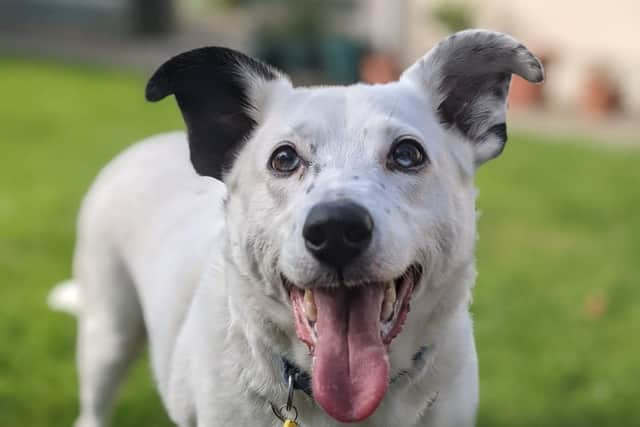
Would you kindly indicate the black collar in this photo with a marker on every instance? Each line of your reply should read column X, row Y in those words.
column 301, row 379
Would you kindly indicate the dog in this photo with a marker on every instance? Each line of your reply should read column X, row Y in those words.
column 272, row 254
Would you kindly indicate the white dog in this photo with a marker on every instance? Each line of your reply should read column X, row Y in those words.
column 292, row 245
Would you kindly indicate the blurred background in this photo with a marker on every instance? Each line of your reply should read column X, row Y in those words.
column 556, row 304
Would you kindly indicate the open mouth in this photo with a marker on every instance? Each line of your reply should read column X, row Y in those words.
column 348, row 331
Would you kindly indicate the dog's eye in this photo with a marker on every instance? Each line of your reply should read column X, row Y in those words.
column 407, row 154
column 285, row 159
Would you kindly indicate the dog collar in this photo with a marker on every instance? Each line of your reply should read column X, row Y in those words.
column 302, row 379
column 297, row 379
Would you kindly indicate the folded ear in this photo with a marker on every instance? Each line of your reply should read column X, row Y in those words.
column 467, row 78
column 218, row 91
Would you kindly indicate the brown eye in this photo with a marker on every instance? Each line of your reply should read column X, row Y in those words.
column 407, row 154
column 285, row 159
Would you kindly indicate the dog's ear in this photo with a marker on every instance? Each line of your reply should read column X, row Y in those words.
column 218, row 91
column 467, row 77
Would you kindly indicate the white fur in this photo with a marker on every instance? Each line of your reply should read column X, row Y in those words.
column 195, row 265
column 151, row 227
column 64, row 297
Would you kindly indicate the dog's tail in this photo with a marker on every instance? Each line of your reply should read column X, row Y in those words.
column 65, row 296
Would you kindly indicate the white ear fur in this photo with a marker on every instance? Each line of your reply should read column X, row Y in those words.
column 467, row 77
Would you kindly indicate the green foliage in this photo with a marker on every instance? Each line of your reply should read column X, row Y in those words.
column 59, row 126
column 453, row 16
column 558, row 276
column 555, row 305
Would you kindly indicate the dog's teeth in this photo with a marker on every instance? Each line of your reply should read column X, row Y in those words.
column 387, row 311
column 310, row 306
column 388, row 302
column 390, row 294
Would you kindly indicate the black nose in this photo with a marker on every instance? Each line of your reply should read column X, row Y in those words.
column 337, row 232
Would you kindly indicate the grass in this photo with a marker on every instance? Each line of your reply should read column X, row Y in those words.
column 555, row 305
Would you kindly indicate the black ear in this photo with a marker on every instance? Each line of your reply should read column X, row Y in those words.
column 215, row 89
column 467, row 76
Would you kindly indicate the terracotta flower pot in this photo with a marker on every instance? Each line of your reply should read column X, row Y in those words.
column 523, row 94
column 378, row 68
column 600, row 95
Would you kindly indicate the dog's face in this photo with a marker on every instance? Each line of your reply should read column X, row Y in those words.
column 345, row 204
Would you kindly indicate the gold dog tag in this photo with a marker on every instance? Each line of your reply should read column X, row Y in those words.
column 290, row 423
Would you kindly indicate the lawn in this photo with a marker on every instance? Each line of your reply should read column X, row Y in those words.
column 556, row 303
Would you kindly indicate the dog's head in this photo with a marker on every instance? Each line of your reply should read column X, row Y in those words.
column 346, row 203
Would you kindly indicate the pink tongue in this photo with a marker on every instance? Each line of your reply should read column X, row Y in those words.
column 350, row 368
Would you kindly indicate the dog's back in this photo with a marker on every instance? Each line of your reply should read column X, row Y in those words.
column 141, row 208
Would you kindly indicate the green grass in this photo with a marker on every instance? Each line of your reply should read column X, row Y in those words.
column 555, row 305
